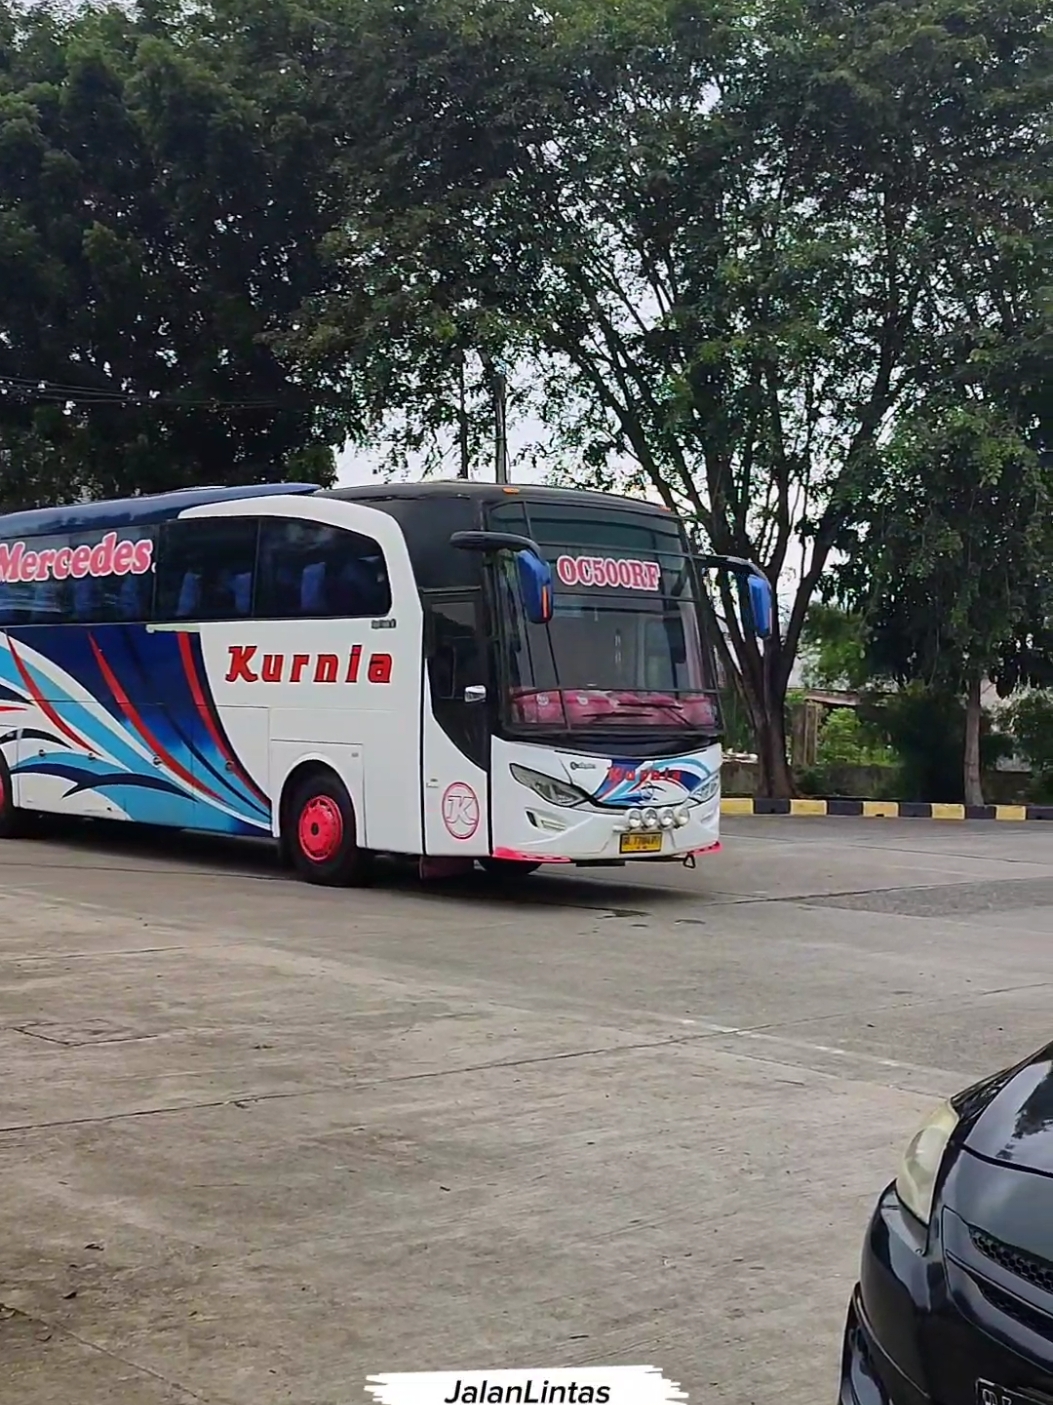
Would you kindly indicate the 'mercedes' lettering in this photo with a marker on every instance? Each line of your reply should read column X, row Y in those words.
column 21, row 563
column 306, row 668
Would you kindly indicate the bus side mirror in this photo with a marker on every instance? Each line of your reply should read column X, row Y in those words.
column 535, row 587
column 535, row 574
column 757, row 606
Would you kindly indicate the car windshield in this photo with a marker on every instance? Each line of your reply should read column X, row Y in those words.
column 623, row 649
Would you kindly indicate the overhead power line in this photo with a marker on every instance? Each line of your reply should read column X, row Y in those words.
column 45, row 391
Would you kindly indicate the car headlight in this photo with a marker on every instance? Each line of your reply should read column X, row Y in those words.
column 920, row 1167
column 554, row 791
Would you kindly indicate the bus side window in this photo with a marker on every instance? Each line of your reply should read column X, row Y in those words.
column 206, row 568
column 309, row 570
column 41, row 599
column 457, row 660
column 84, row 593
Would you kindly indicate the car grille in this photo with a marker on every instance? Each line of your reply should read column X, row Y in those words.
column 1038, row 1272
column 1028, row 1317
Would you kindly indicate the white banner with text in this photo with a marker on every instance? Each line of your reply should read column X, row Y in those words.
column 594, row 1385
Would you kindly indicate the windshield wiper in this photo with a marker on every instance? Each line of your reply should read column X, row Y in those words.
column 641, row 710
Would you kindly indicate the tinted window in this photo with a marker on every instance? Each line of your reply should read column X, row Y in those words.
column 427, row 525
column 311, row 571
column 457, row 658
column 87, row 578
column 122, row 588
column 206, row 569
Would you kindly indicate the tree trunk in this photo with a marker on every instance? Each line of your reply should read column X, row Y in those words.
column 758, row 681
column 974, row 791
column 775, row 779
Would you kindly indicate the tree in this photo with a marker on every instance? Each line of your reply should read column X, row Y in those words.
column 162, row 205
column 835, row 642
column 1031, row 723
column 722, row 243
column 947, row 572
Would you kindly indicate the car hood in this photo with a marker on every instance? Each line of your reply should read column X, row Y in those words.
column 1009, row 1118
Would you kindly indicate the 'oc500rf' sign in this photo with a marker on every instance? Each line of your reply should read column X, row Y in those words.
column 609, row 573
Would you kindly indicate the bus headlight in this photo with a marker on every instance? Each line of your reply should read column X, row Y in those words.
column 556, row 792
column 635, row 820
column 650, row 819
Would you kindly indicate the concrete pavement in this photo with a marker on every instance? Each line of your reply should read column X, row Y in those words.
column 259, row 1140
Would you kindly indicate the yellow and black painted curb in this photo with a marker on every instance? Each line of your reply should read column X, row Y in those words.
column 883, row 809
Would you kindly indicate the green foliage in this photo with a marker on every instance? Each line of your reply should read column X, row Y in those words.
column 161, row 212
column 846, row 740
column 738, row 730
column 834, row 642
column 1030, row 721
column 947, row 572
column 720, row 246
column 846, row 744
column 925, row 729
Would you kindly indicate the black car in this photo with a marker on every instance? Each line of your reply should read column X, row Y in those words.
column 955, row 1300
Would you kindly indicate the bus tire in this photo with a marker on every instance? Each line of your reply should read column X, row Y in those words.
column 322, row 834
column 14, row 823
column 508, row 868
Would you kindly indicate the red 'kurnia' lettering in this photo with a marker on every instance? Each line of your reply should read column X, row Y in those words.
column 21, row 563
column 247, row 665
column 609, row 573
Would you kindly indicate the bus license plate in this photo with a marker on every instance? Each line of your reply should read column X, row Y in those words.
column 641, row 844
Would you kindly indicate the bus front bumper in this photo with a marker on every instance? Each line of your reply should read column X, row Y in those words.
column 574, row 837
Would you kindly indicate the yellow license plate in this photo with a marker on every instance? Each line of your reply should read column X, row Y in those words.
column 641, row 844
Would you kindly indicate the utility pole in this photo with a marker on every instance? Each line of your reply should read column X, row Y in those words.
column 501, row 426
column 499, row 390
column 462, row 415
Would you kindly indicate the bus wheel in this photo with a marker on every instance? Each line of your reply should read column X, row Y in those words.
column 508, row 868
column 14, row 823
column 322, row 836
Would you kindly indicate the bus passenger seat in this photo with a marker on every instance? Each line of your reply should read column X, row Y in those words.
column 130, row 601
column 242, row 590
column 84, row 592
column 357, row 593
column 312, row 590
column 189, row 596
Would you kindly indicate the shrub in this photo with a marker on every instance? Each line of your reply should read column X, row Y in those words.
column 925, row 728
column 1030, row 721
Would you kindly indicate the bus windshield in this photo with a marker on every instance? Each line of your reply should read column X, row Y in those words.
column 623, row 651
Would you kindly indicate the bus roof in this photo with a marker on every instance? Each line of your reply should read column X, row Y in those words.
column 489, row 493
column 130, row 512
column 159, row 507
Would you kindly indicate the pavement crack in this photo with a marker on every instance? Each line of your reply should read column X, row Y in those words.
column 8, row 1311
column 248, row 1100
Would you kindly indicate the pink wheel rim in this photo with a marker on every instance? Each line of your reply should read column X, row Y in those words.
column 321, row 829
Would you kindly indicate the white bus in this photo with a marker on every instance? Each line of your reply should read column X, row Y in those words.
column 462, row 673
